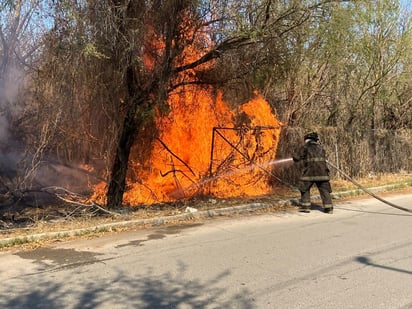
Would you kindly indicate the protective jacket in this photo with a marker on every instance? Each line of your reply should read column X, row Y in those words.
column 313, row 157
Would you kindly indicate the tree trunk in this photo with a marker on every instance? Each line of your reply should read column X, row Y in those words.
column 126, row 14
column 137, row 102
column 117, row 182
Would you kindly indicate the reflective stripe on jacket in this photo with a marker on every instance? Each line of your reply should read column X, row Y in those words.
column 313, row 157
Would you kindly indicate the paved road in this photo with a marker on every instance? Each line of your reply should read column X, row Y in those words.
column 359, row 257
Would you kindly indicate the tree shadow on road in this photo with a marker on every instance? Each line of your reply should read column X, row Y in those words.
column 122, row 291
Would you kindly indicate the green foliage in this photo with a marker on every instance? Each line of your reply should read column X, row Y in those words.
column 91, row 50
column 343, row 66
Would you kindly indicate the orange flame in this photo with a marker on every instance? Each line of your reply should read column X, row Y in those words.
column 180, row 164
column 185, row 161
column 200, row 150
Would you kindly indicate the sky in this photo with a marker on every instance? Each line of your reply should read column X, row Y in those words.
column 407, row 4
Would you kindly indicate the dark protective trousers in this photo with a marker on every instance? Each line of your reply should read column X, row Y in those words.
column 324, row 191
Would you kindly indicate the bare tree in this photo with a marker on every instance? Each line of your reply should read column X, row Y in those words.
column 22, row 25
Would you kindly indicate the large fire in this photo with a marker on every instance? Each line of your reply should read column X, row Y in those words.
column 204, row 147
column 185, row 162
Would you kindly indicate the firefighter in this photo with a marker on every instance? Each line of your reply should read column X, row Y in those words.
column 315, row 171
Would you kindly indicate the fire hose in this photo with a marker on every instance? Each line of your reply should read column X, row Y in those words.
column 346, row 176
column 366, row 190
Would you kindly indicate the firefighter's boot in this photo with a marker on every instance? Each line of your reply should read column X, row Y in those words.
column 328, row 210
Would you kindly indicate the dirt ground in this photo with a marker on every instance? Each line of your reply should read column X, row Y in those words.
column 42, row 213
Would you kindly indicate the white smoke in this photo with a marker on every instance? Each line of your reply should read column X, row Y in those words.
column 10, row 152
column 4, row 129
column 10, row 85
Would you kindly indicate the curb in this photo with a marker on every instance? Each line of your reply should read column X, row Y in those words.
column 4, row 242
column 8, row 242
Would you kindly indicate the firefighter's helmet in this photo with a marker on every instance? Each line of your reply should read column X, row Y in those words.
column 313, row 136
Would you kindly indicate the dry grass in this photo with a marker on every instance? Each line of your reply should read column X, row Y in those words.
column 372, row 181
